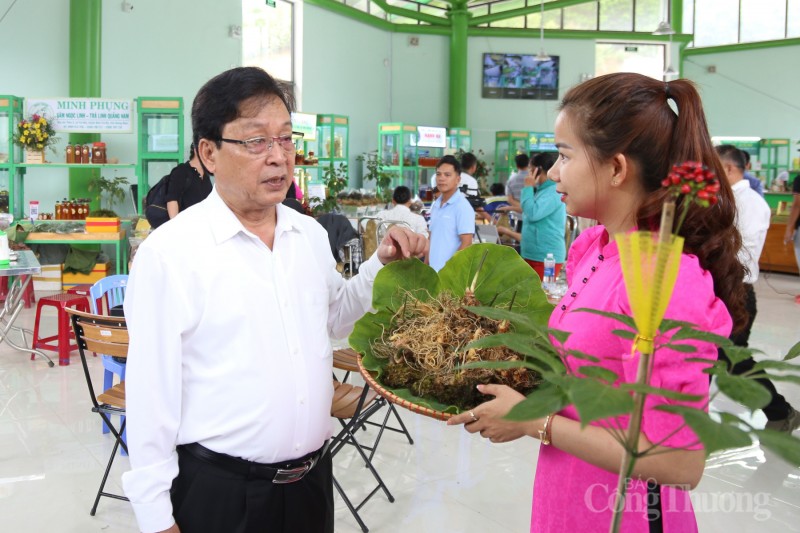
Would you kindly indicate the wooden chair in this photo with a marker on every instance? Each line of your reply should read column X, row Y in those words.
column 107, row 335
column 353, row 406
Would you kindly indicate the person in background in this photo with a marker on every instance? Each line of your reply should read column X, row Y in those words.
column 452, row 221
column 469, row 164
column 401, row 211
column 517, row 180
column 752, row 220
column 617, row 138
column 792, row 235
column 754, row 182
column 188, row 184
column 544, row 217
column 228, row 382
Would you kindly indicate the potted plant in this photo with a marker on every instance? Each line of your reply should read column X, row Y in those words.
column 377, row 173
column 34, row 134
column 113, row 191
column 335, row 179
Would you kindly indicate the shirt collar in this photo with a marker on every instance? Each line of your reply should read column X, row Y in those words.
column 226, row 225
column 741, row 184
column 401, row 207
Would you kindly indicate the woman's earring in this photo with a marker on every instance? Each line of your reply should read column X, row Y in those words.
column 614, row 182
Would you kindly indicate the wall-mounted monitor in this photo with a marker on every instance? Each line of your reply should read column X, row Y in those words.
column 520, row 77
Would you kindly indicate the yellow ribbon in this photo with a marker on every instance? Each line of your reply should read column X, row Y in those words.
column 645, row 347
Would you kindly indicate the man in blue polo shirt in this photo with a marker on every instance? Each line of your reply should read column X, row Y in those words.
column 452, row 221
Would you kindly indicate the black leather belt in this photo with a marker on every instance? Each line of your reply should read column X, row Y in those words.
column 286, row 472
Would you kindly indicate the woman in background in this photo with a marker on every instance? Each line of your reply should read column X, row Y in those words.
column 544, row 217
column 188, row 184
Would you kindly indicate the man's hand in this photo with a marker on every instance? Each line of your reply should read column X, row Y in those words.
column 401, row 243
column 173, row 529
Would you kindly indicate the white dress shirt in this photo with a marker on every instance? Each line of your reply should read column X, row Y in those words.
column 230, row 344
column 401, row 213
column 752, row 220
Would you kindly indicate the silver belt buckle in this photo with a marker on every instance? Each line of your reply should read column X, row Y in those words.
column 290, row 475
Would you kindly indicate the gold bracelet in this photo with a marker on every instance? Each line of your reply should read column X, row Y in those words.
column 544, row 434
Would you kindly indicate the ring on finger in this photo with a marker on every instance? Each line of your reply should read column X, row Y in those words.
column 474, row 418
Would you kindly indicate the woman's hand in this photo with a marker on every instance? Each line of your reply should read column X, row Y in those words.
column 532, row 178
column 487, row 418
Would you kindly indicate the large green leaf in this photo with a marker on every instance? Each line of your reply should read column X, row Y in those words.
column 595, row 400
column 737, row 354
column 777, row 365
column 746, row 391
column 694, row 334
column 714, row 435
column 504, row 276
column 782, row 444
column 657, row 391
column 543, row 401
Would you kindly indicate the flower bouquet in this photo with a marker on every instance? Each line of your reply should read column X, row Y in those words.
column 429, row 325
column 34, row 135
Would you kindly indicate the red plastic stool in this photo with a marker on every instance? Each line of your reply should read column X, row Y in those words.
column 29, row 298
column 62, row 343
column 83, row 290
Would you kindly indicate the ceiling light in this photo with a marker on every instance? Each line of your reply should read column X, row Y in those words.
column 542, row 56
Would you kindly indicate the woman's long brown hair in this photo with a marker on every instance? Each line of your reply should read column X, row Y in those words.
column 631, row 114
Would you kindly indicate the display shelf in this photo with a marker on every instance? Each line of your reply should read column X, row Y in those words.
column 159, row 135
column 774, row 158
column 508, row 144
column 160, row 140
column 459, row 139
column 397, row 150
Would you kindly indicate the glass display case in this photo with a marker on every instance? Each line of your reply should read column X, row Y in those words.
column 160, row 140
column 459, row 139
column 397, row 150
column 507, row 145
column 11, row 189
column 774, row 157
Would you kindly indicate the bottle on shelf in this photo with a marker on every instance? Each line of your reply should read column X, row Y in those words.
column 70, row 151
column 549, row 273
column 58, row 210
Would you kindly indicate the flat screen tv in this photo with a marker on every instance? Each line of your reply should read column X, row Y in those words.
column 520, row 77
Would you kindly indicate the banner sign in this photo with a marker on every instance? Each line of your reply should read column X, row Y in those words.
column 84, row 115
column 542, row 142
column 432, row 137
column 306, row 124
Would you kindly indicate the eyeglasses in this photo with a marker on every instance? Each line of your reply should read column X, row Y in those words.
column 262, row 145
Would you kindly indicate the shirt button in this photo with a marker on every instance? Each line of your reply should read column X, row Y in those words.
column 563, row 307
column 585, row 280
column 295, row 351
column 574, row 294
column 302, row 401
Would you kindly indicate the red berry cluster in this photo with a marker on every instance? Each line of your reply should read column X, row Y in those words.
column 695, row 181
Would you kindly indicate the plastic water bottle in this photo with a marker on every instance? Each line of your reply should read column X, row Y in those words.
column 549, row 273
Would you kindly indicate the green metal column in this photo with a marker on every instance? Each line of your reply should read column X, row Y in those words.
column 85, row 17
column 459, row 17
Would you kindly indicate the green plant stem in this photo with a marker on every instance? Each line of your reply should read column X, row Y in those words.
column 631, row 446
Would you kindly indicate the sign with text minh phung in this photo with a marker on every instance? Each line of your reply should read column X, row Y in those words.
column 84, row 115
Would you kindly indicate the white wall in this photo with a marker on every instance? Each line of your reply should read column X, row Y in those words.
column 752, row 93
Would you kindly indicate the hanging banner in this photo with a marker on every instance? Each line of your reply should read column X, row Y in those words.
column 84, row 115
column 432, row 137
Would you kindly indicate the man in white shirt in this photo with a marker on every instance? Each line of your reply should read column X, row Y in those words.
column 230, row 308
column 401, row 212
column 469, row 164
column 516, row 182
column 752, row 220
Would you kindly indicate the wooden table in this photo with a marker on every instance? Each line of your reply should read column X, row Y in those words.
column 777, row 256
column 116, row 238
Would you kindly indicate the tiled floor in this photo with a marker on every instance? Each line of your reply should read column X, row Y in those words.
column 52, row 456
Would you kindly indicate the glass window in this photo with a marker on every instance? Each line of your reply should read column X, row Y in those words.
column 267, row 35
column 581, row 17
column 793, row 18
column 515, row 22
column 763, row 20
column 616, row 15
column 688, row 16
column 719, row 22
column 649, row 13
column 361, row 5
column 647, row 59
column 552, row 20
